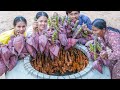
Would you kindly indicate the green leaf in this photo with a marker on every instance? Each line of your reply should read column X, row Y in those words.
column 63, row 19
column 76, row 24
column 49, row 22
column 80, row 29
column 84, row 35
column 54, row 36
column 69, row 21
column 57, row 20
column 91, row 47
column 95, row 47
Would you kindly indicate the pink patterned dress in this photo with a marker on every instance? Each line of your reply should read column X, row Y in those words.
column 112, row 40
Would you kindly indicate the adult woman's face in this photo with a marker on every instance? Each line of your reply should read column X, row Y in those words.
column 97, row 31
column 20, row 27
column 42, row 23
column 74, row 15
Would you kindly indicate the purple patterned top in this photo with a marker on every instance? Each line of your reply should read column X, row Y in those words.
column 112, row 40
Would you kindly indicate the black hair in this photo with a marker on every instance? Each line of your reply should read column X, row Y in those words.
column 113, row 29
column 67, row 12
column 39, row 14
column 18, row 19
column 99, row 23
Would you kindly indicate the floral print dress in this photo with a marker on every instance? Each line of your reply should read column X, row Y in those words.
column 112, row 40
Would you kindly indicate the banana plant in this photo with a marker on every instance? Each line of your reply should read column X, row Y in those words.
column 78, row 31
column 69, row 21
column 55, row 22
column 54, row 36
column 99, row 47
column 56, row 26
column 84, row 34
column 95, row 47
column 49, row 22
column 75, row 25
column 91, row 47
column 63, row 19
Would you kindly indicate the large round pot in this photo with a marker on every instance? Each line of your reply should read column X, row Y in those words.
column 87, row 73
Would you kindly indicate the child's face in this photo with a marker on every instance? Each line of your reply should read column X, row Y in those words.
column 74, row 15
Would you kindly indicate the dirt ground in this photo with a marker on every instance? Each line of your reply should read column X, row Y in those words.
column 7, row 17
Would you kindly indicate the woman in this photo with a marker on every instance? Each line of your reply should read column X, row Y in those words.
column 19, row 24
column 110, row 37
column 40, row 23
column 38, row 28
